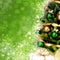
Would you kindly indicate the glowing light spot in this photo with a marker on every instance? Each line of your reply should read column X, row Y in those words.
column 8, row 53
column 2, row 55
column 29, row 33
column 30, row 37
column 37, row 16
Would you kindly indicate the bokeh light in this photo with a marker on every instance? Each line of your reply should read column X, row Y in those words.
column 18, row 19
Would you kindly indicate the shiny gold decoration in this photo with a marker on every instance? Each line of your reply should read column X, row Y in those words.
column 46, row 28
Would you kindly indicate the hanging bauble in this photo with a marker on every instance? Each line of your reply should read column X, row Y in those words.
column 49, row 16
column 46, row 28
column 54, row 34
column 41, row 44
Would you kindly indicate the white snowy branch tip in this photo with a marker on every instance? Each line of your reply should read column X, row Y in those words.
column 44, row 55
column 36, row 56
column 33, row 56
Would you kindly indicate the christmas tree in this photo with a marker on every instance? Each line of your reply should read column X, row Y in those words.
column 48, row 33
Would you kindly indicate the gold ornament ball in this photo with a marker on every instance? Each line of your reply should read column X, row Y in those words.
column 46, row 29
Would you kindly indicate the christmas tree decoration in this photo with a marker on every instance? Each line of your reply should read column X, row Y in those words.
column 41, row 44
column 49, row 35
column 46, row 28
column 49, row 16
column 54, row 34
column 53, row 14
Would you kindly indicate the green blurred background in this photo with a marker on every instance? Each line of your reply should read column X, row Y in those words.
column 18, row 19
